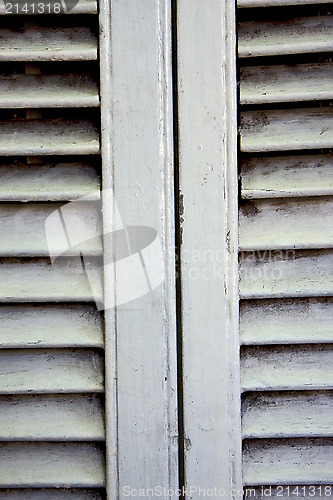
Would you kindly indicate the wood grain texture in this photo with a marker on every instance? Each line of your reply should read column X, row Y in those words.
column 63, row 325
column 51, row 465
column 51, row 418
column 289, row 461
column 48, row 44
column 295, row 36
column 283, row 130
column 40, row 371
column 286, row 274
column 285, row 224
column 51, row 494
column 286, row 367
column 287, row 414
column 48, row 137
column 293, row 176
column 302, row 82
column 290, row 321
column 48, row 91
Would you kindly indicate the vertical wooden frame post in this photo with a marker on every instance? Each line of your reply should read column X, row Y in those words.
column 137, row 157
column 209, row 270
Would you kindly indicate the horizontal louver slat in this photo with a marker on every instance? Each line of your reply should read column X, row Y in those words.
column 51, row 418
column 287, row 414
column 51, row 494
column 289, row 461
column 48, row 137
column 47, row 182
column 277, row 3
column 282, row 130
column 51, row 465
column 285, row 224
column 34, row 280
column 268, row 84
column 48, row 44
column 286, row 368
column 287, row 176
column 48, row 91
column 24, row 7
column 290, row 321
column 65, row 325
column 295, row 36
column 37, row 371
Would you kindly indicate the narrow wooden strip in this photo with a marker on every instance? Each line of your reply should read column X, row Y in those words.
column 42, row 465
column 297, row 36
column 290, row 321
column 293, row 129
column 37, row 280
column 38, row 371
column 47, row 182
column 265, row 274
column 51, row 494
column 48, row 91
column 303, row 82
column 65, row 325
column 301, row 491
column 48, row 44
column 67, row 7
column 288, row 461
column 287, row 414
column 48, row 137
column 298, row 224
column 277, row 3
column 293, row 176
column 51, row 418
column 286, row 368
column 43, row 229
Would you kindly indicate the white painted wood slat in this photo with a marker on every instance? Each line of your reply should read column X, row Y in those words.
column 290, row 321
column 48, row 137
column 282, row 130
column 51, row 494
column 48, row 182
column 82, row 7
column 286, row 274
column 48, row 91
column 284, row 368
column 295, row 36
column 274, row 225
column 277, row 3
column 36, row 280
column 65, row 325
column 287, row 414
column 302, row 82
column 37, row 371
column 51, row 418
column 41, row 465
column 287, row 176
column 302, row 461
column 48, row 44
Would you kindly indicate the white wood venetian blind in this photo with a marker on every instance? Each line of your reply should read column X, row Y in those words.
column 285, row 242
column 51, row 342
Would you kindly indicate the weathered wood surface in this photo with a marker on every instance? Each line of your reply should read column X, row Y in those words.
column 286, row 274
column 36, row 280
column 63, row 325
column 48, row 137
column 82, row 7
column 41, row 465
column 285, row 224
column 287, row 176
column 47, row 182
column 277, row 3
column 289, row 461
column 286, row 368
column 51, row 494
column 287, row 414
column 38, row 371
column 303, row 492
column 48, row 91
column 48, row 44
column 51, row 418
column 288, row 129
column 290, row 321
column 296, row 36
column 303, row 82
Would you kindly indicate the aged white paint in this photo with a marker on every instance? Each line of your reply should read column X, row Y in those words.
column 275, row 3
column 208, row 191
column 82, row 7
